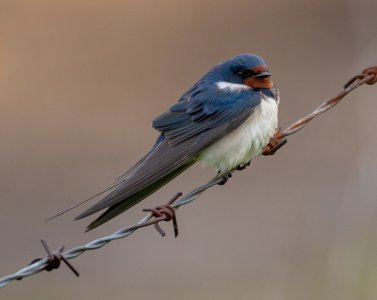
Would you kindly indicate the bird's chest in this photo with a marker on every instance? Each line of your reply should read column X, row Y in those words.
column 245, row 142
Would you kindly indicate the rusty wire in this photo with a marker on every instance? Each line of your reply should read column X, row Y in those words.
column 368, row 76
column 167, row 212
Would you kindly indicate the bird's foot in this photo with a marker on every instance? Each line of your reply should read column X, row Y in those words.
column 242, row 166
column 224, row 178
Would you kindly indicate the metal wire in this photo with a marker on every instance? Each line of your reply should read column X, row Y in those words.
column 41, row 264
column 369, row 76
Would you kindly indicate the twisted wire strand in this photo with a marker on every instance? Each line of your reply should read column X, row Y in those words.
column 298, row 125
column 368, row 76
column 40, row 265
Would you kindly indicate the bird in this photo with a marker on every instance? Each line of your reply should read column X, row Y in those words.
column 224, row 120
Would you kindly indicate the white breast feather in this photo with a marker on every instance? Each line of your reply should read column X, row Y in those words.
column 245, row 142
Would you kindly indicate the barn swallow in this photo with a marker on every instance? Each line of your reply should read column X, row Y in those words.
column 224, row 121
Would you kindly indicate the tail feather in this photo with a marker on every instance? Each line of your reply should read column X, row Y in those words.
column 132, row 200
column 157, row 168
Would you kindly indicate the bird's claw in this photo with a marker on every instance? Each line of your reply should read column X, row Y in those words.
column 242, row 166
column 224, row 178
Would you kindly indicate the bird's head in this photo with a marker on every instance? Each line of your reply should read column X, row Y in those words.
column 247, row 69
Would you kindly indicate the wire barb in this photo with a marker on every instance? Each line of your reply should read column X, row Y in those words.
column 167, row 212
column 275, row 143
column 163, row 213
column 53, row 260
column 370, row 72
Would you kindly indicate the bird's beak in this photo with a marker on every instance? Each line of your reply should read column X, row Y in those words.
column 261, row 80
column 263, row 74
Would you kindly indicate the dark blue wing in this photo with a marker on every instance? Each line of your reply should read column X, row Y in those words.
column 214, row 113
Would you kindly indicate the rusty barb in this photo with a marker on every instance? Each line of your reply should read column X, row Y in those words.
column 167, row 212
column 160, row 213
column 53, row 259
column 163, row 213
column 369, row 75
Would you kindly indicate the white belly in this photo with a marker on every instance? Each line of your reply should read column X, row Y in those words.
column 245, row 142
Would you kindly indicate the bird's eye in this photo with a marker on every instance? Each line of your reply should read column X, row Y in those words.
column 245, row 73
column 242, row 73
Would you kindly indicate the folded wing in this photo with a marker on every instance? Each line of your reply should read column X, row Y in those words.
column 188, row 127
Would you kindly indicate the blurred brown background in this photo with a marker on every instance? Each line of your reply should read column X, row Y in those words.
column 80, row 82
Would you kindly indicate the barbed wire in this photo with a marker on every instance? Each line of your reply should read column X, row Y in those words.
column 368, row 76
column 41, row 264
column 167, row 212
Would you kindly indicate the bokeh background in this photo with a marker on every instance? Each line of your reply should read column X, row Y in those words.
column 80, row 82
